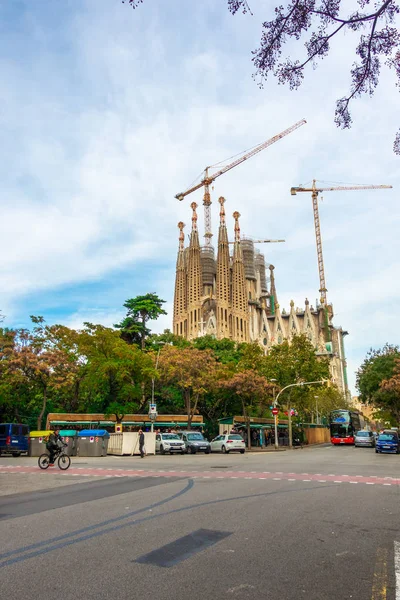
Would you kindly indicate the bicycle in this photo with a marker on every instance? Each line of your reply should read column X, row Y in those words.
column 62, row 459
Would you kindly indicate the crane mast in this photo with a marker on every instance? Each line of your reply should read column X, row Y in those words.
column 208, row 179
column 314, row 195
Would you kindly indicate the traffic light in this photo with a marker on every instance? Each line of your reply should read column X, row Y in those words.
column 277, row 420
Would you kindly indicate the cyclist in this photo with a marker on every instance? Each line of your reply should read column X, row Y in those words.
column 53, row 444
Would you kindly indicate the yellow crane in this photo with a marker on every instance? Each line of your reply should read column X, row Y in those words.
column 209, row 178
column 314, row 194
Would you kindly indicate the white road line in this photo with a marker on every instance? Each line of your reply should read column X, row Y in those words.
column 397, row 568
column 277, row 478
column 306, row 479
column 322, row 480
column 337, row 481
column 369, row 483
column 386, row 484
column 352, row 482
column 291, row 480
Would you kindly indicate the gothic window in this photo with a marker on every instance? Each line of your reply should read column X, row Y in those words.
column 293, row 324
column 265, row 341
column 279, row 339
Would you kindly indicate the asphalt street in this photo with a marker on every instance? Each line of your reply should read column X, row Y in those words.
column 315, row 523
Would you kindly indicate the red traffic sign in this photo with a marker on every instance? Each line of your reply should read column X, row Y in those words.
column 275, row 411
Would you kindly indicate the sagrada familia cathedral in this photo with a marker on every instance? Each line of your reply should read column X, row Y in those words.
column 229, row 296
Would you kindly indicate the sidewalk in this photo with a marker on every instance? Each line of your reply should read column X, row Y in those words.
column 256, row 449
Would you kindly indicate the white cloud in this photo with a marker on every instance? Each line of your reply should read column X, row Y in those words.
column 111, row 112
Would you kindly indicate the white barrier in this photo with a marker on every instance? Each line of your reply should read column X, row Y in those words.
column 128, row 443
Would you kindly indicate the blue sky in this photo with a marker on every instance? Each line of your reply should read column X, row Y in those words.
column 107, row 113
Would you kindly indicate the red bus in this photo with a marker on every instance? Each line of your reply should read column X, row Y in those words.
column 344, row 425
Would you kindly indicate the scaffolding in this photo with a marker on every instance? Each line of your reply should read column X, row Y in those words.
column 208, row 265
column 260, row 267
column 248, row 258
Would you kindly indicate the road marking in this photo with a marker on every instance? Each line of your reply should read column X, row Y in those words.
column 306, row 479
column 397, row 568
column 379, row 582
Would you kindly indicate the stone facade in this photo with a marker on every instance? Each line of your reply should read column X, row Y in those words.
column 229, row 296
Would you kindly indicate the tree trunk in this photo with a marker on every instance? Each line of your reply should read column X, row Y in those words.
column 247, row 420
column 40, row 417
column 188, row 411
column 290, row 426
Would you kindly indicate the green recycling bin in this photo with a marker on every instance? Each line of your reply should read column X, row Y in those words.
column 93, row 442
column 37, row 443
column 69, row 437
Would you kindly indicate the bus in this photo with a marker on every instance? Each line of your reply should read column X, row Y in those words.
column 344, row 425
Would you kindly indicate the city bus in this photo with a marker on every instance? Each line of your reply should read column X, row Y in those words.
column 344, row 425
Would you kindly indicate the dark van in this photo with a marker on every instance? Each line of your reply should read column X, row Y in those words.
column 13, row 438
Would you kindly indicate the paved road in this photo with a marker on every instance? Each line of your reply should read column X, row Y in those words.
column 319, row 523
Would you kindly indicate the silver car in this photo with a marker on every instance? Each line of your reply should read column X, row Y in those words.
column 364, row 438
column 169, row 442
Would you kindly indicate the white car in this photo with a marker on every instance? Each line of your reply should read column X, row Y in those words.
column 232, row 442
column 169, row 442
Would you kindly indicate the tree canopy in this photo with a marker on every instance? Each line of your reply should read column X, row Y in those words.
column 378, row 380
column 141, row 309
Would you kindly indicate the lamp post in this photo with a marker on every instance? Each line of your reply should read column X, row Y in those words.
column 301, row 383
column 275, row 417
column 153, row 407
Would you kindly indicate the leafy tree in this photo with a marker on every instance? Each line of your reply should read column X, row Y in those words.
column 114, row 370
column 377, row 379
column 254, row 392
column 141, row 309
column 33, row 360
column 319, row 21
column 191, row 370
column 226, row 351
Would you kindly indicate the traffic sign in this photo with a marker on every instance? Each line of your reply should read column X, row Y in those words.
column 275, row 411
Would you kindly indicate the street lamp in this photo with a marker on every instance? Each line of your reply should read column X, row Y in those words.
column 300, row 383
column 275, row 417
column 153, row 406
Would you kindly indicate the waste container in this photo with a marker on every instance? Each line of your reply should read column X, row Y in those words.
column 37, row 442
column 69, row 437
column 92, row 442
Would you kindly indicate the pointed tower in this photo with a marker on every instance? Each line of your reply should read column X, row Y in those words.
column 180, row 297
column 194, row 281
column 222, row 291
column 273, row 299
column 240, row 313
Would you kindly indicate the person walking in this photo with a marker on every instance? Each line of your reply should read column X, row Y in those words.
column 141, row 443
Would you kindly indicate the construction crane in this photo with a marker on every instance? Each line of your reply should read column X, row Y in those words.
column 208, row 179
column 314, row 194
column 260, row 241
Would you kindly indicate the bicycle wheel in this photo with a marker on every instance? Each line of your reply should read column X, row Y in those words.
column 44, row 461
column 63, row 462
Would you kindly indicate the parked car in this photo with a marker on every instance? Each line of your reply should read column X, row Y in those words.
column 169, row 442
column 388, row 441
column 195, row 442
column 232, row 442
column 364, row 438
column 13, row 438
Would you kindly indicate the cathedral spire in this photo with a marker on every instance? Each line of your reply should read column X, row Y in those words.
column 180, row 296
column 194, row 279
column 222, row 284
column 240, row 316
column 272, row 293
